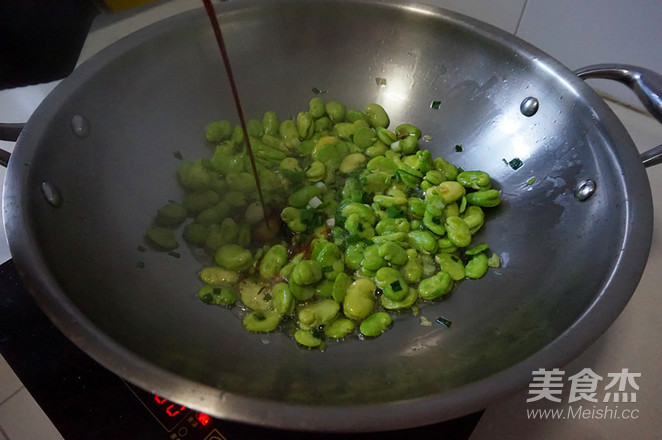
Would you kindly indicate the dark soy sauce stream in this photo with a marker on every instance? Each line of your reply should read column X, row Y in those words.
column 211, row 13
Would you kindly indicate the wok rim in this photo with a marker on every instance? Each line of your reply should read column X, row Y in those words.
column 596, row 319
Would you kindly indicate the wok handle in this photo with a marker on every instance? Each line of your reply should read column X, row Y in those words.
column 645, row 83
column 8, row 132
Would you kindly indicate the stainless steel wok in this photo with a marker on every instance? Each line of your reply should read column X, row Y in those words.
column 97, row 159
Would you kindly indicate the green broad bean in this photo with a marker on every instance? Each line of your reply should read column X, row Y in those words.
column 407, row 145
column 359, row 227
column 218, row 131
column 423, row 241
column 396, row 237
column 323, row 125
column 215, row 239
column 352, row 190
column 463, row 204
column 376, row 115
column 376, row 182
column 195, row 202
column 477, row 266
column 241, row 182
column 429, row 265
column 316, row 171
column 255, row 296
column 336, row 111
column 416, row 207
column 359, row 299
column 408, row 301
column 316, row 107
column 412, row 270
column 339, row 328
column 434, row 177
column 376, row 149
column 286, row 271
column 352, row 162
column 263, row 321
column 363, row 211
column 371, row 258
column 254, row 213
column 273, row 261
column 389, row 225
column 193, row 176
column 305, row 125
column 324, row 289
column 282, row 299
column 255, row 128
column 393, row 253
column 452, row 210
column 212, row 216
column 217, row 295
column 494, row 261
column 237, row 135
column 195, row 234
column 307, row 338
column 445, row 245
column 271, row 123
column 434, row 216
column 354, row 115
column 340, row 285
column 306, row 272
column 486, row 198
column 363, row 137
column 292, row 217
column 224, row 163
column 392, row 283
column 318, row 313
column 354, row 255
column 477, row 249
column 447, row 168
column 344, row 130
column 474, row 217
column 162, row 238
column 233, row 257
column 215, row 276
column 478, row 180
column 171, row 215
column 435, row 286
column 383, row 164
column 386, row 136
column 301, row 293
column 450, row 191
column 375, row 324
column 452, row 265
column 458, row 231
column 300, row 198
column 288, row 130
column 274, row 142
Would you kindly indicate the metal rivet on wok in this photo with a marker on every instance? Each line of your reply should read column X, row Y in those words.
column 584, row 190
column 80, row 126
column 52, row 194
column 529, row 106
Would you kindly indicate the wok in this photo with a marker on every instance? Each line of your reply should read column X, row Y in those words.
column 96, row 160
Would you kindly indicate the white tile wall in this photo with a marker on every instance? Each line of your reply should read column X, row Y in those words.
column 504, row 14
column 579, row 33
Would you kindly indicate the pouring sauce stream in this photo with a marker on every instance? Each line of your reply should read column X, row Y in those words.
column 211, row 13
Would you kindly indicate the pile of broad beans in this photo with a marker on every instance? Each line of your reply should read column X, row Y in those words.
column 360, row 222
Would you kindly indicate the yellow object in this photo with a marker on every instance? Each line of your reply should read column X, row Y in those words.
column 121, row 5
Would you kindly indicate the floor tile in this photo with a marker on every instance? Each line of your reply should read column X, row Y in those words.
column 9, row 382
column 22, row 419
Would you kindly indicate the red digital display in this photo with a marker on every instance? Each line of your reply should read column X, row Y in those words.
column 203, row 418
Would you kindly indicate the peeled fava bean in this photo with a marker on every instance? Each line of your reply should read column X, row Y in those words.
column 359, row 299
column 375, row 324
column 358, row 220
